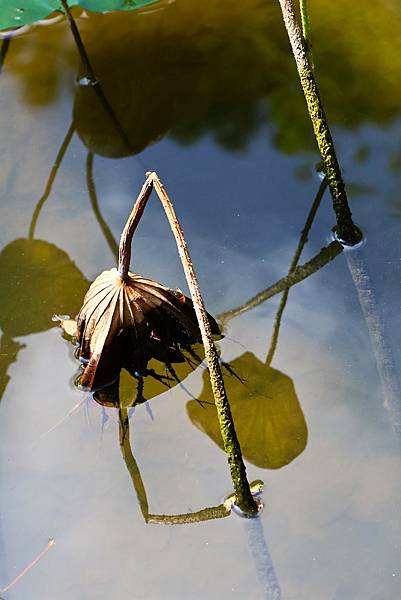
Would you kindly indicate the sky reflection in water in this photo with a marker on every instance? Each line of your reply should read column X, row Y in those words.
column 332, row 519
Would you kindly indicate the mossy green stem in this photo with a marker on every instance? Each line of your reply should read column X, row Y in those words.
column 345, row 229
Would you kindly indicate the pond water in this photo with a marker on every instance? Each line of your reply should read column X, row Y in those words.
column 208, row 96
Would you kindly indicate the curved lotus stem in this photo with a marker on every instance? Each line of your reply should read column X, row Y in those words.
column 206, row 514
column 231, row 444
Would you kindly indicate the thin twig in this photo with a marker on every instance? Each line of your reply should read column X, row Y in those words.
column 90, row 183
column 49, row 544
column 244, row 497
column 59, row 158
column 326, row 254
column 346, row 230
column 91, row 76
column 294, row 262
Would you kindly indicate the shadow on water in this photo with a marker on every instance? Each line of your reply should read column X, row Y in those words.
column 220, row 69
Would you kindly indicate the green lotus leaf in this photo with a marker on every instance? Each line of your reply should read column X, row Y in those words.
column 15, row 13
column 37, row 279
column 268, row 417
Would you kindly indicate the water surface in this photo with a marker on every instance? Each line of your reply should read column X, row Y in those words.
column 209, row 98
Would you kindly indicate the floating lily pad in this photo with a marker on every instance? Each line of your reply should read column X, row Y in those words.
column 268, row 417
column 14, row 13
column 37, row 279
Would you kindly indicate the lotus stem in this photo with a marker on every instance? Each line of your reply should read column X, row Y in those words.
column 133, row 469
column 205, row 514
column 124, row 257
column 244, row 498
column 3, row 52
column 326, row 255
column 294, row 263
column 345, row 228
column 232, row 448
column 49, row 184
column 303, row 5
column 90, row 183
column 92, row 76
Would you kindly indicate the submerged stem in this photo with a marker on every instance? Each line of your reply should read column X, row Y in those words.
column 3, row 52
column 346, row 230
column 326, row 254
column 92, row 76
column 90, row 183
column 294, row 262
column 133, row 469
column 49, row 184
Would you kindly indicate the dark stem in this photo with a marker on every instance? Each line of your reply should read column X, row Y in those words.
column 124, row 257
column 92, row 76
column 326, row 255
column 345, row 228
column 133, row 469
column 297, row 255
column 95, row 206
column 50, row 180
column 80, row 45
column 3, row 52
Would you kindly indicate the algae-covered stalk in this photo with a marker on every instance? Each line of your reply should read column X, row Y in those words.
column 126, row 320
column 345, row 229
column 230, row 440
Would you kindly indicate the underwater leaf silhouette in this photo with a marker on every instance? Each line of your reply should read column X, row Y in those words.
column 12, row 14
column 268, row 418
column 37, row 279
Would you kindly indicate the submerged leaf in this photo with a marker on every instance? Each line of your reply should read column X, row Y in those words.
column 126, row 323
column 37, row 279
column 268, row 418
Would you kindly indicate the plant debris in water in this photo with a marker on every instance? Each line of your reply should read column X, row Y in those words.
column 127, row 323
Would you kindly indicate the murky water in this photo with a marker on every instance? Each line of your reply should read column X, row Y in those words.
column 208, row 97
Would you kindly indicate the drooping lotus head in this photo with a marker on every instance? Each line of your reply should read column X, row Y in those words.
column 126, row 323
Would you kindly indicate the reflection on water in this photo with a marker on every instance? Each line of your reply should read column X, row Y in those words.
column 192, row 85
column 192, row 68
column 269, row 421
